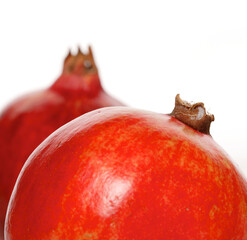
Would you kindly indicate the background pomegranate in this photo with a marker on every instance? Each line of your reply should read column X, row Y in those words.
column 25, row 123
column 120, row 173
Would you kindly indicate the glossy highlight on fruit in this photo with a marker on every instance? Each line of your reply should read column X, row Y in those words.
column 26, row 122
column 126, row 174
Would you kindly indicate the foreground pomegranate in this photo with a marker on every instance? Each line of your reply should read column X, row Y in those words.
column 30, row 119
column 125, row 174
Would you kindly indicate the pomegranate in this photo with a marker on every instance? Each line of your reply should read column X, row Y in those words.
column 25, row 123
column 126, row 174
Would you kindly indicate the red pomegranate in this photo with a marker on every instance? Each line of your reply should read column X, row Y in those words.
column 124, row 174
column 29, row 120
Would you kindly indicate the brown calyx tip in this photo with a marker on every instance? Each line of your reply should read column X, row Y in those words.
column 193, row 115
column 68, row 56
column 90, row 52
column 80, row 63
column 79, row 52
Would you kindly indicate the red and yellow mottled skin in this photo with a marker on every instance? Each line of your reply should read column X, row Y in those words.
column 123, row 174
column 29, row 120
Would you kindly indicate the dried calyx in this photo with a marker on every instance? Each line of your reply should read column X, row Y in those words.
column 80, row 63
column 194, row 115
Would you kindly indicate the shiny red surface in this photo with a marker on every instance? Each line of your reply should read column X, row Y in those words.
column 29, row 120
column 124, row 174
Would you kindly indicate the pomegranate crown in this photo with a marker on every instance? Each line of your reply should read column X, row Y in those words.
column 193, row 115
column 81, row 63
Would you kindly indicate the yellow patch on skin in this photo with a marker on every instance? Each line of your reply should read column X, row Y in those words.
column 114, row 231
column 56, row 233
column 213, row 211
column 166, row 200
column 89, row 236
column 226, row 203
column 226, row 163
column 61, row 233
column 218, row 180
column 243, row 214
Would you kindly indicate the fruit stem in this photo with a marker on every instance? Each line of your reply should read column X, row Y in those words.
column 193, row 115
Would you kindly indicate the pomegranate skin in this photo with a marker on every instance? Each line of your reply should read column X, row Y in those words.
column 120, row 173
column 26, row 122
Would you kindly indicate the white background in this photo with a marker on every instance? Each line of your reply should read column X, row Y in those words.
column 146, row 52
